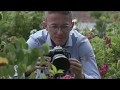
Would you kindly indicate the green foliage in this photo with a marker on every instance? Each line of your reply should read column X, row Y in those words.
column 20, row 23
column 46, row 48
column 86, row 31
column 96, row 14
column 17, row 53
column 1, row 16
column 53, row 71
column 102, row 20
column 106, row 55
column 116, row 45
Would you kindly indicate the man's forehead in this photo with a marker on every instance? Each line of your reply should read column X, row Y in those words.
column 65, row 24
column 56, row 14
column 59, row 12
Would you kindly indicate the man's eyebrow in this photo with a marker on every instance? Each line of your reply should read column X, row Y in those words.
column 53, row 24
column 62, row 24
column 65, row 24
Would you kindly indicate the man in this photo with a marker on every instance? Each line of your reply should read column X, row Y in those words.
column 58, row 31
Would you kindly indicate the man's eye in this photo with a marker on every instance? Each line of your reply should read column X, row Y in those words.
column 54, row 26
column 65, row 26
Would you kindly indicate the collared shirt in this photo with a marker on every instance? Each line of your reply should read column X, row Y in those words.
column 78, row 46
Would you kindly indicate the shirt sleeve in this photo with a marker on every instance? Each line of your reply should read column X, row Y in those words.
column 90, row 69
column 90, row 66
column 32, row 43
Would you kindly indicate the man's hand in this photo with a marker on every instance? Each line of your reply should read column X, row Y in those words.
column 38, row 65
column 76, row 68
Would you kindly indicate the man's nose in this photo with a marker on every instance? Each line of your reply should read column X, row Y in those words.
column 59, row 31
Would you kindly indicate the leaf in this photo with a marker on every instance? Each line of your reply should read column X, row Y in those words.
column 21, row 43
column 60, row 71
column 21, row 69
column 51, row 71
column 19, row 55
column 9, row 48
column 43, row 76
column 10, row 70
column 54, row 68
column 33, row 56
column 46, row 48
column 32, row 76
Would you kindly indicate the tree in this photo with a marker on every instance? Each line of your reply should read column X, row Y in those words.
column 20, row 23
column 102, row 20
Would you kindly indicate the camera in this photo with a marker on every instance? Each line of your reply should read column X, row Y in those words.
column 59, row 58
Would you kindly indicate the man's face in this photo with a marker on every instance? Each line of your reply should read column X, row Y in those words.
column 58, row 26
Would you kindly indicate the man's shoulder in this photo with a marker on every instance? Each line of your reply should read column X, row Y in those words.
column 75, row 33
column 40, row 33
column 80, row 38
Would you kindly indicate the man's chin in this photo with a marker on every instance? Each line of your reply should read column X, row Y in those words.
column 59, row 44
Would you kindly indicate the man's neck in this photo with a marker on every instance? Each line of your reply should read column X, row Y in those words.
column 55, row 44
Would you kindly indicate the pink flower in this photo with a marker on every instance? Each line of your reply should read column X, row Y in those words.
column 103, row 69
column 108, row 41
column 89, row 36
column 67, row 77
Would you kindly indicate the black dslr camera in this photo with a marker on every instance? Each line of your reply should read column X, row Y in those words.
column 59, row 58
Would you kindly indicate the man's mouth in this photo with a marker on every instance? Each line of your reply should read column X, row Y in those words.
column 58, row 38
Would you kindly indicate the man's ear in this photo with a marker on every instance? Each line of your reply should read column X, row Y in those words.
column 72, row 24
column 44, row 24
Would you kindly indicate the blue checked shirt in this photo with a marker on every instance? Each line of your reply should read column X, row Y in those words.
column 77, row 44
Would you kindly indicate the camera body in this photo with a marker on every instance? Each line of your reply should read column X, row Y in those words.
column 59, row 58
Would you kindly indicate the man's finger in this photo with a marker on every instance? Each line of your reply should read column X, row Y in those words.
column 74, row 60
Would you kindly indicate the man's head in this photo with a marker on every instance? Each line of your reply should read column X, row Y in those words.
column 58, row 24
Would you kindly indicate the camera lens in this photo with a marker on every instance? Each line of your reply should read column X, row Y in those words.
column 61, row 62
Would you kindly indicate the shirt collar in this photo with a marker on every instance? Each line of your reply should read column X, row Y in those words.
column 68, row 43
column 49, row 41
